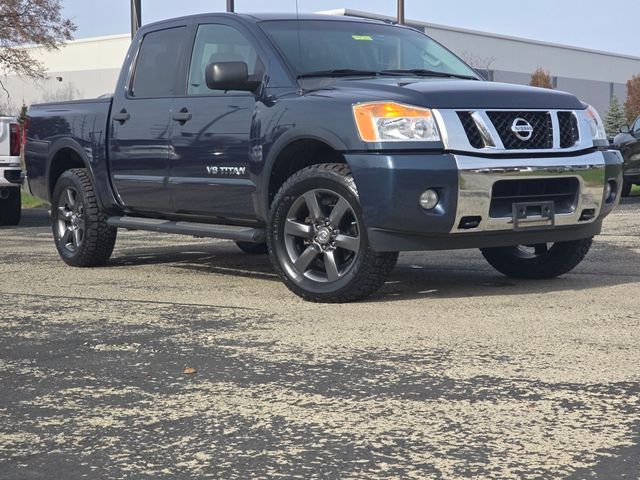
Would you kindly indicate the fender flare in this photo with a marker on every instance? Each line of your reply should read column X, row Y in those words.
column 70, row 144
column 291, row 136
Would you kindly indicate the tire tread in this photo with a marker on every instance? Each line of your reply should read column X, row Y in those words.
column 100, row 238
column 374, row 266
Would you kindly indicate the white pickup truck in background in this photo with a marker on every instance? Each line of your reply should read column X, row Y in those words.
column 10, row 171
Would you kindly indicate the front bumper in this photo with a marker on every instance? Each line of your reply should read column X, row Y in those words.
column 390, row 185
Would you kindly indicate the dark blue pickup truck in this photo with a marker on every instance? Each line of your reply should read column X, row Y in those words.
column 331, row 144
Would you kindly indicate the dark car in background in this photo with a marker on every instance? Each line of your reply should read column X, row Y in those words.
column 628, row 142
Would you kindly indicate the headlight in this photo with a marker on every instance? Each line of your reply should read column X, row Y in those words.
column 598, row 132
column 394, row 122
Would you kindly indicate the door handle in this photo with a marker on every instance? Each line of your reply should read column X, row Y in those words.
column 121, row 117
column 182, row 117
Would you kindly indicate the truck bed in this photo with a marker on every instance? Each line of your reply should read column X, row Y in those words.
column 63, row 128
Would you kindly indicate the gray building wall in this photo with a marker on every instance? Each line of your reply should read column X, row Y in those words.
column 90, row 67
column 74, row 85
column 593, row 76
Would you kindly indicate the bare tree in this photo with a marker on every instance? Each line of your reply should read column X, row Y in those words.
column 30, row 22
column 477, row 61
column 484, row 65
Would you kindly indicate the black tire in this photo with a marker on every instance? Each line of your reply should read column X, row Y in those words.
column 626, row 188
column 545, row 261
column 324, row 256
column 80, row 229
column 10, row 207
column 253, row 248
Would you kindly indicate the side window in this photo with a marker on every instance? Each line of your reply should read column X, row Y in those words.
column 220, row 43
column 157, row 63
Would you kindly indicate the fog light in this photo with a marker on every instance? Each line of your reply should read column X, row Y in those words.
column 611, row 191
column 429, row 199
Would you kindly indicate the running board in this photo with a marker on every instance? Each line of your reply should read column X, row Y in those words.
column 226, row 232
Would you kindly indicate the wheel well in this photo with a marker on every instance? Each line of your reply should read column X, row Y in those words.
column 298, row 155
column 65, row 159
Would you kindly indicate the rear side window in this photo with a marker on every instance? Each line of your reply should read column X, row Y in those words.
column 216, row 44
column 158, row 61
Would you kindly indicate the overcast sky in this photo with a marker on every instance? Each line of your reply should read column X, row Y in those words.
column 612, row 26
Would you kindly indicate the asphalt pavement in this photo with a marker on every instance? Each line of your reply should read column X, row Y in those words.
column 450, row 371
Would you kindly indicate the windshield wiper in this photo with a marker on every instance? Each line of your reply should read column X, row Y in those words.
column 428, row 73
column 341, row 72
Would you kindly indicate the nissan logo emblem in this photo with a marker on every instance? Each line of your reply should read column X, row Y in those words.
column 522, row 129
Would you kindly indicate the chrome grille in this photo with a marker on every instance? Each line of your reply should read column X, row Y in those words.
column 569, row 133
column 541, row 137
column 494, row 129
column 473, row 134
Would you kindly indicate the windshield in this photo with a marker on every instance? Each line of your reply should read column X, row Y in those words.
column 331, row 45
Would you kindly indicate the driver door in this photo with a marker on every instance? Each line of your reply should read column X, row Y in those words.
column 210, row 136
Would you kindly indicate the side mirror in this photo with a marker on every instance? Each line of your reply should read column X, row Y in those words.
column 229, row 76
column 625, row 129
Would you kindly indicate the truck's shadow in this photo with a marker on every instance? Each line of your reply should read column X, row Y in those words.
column 427, row 275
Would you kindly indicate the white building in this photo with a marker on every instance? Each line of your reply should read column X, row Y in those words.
column 89, row 67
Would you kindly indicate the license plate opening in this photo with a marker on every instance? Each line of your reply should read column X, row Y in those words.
column 537, row 215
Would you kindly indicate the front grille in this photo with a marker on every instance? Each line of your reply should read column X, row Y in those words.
column 569, row 133
column 563, row 192
column 473, row 134
column 541, row 137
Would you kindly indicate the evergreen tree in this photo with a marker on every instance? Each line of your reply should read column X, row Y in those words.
column 615, row 118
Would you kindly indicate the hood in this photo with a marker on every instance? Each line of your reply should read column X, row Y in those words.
column 452, row 93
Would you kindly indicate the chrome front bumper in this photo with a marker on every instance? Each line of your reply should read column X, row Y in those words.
column 477, row 176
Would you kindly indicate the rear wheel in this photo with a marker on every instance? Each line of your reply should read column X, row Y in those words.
column 80, row 229
column 317, row 239
column 626, row 188
column 545, row 260
column 10, row 207
column 253, row 248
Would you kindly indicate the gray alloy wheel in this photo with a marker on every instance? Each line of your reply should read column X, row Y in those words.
column 70, row 222
column 322, row 236
column 317, row 240
column 80, row 230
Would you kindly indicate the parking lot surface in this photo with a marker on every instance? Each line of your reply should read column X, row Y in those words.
column 450, row 371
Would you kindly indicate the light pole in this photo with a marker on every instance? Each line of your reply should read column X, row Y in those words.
column 136, row 16
column 401, row 12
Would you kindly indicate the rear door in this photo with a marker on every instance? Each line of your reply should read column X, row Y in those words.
column 210, row 137
column 141, row 122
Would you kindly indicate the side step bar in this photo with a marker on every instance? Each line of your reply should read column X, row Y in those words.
column 226, row 232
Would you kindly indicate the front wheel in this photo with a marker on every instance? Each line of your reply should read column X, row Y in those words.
column 540, row 261
column 80, row 229
column 317, row 240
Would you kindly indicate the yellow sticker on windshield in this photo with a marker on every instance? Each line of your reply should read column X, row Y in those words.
column 362, row 37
